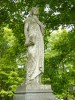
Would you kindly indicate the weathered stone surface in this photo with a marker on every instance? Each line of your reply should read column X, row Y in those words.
column 35, row 96
column 32, row 89
column 42, row 92
column 35, row 47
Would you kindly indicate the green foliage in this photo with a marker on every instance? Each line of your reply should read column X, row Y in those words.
column 59, row 45
column 10, row 76
column 59, row 60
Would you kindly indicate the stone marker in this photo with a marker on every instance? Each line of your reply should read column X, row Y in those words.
column 32, row 89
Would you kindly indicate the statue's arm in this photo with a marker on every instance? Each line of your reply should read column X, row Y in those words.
column 30, row 40
column 26, row 32
column 26, row 29
column 42, row 27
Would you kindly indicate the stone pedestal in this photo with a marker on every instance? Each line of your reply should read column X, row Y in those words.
column 41, row 92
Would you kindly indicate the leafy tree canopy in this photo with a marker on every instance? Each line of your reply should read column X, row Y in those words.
column 59, row 45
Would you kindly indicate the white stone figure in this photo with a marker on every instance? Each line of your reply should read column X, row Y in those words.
column 34, row 31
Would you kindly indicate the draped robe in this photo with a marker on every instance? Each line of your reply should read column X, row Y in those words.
column 35, row 48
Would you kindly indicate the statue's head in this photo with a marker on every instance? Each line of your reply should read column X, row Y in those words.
column 34, row 11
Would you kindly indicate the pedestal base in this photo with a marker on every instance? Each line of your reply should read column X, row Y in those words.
column 42, row 92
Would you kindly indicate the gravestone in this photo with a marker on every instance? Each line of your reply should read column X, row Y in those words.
column 32, row 89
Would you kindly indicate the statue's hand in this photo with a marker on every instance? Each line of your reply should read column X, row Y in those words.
column 40, row 68
column 27, row 44
column 31, row 43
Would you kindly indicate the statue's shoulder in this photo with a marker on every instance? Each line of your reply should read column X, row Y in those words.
column 28, row 19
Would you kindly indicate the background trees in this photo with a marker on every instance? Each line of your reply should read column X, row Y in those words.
column 59, row 45
column 59, row 58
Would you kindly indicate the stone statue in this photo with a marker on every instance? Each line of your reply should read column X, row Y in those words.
column 34, row 31
column 32, row 89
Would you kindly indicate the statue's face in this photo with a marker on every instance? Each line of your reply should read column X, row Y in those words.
column 35, row 11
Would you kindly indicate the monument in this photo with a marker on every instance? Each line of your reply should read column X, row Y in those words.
column 32, row 88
